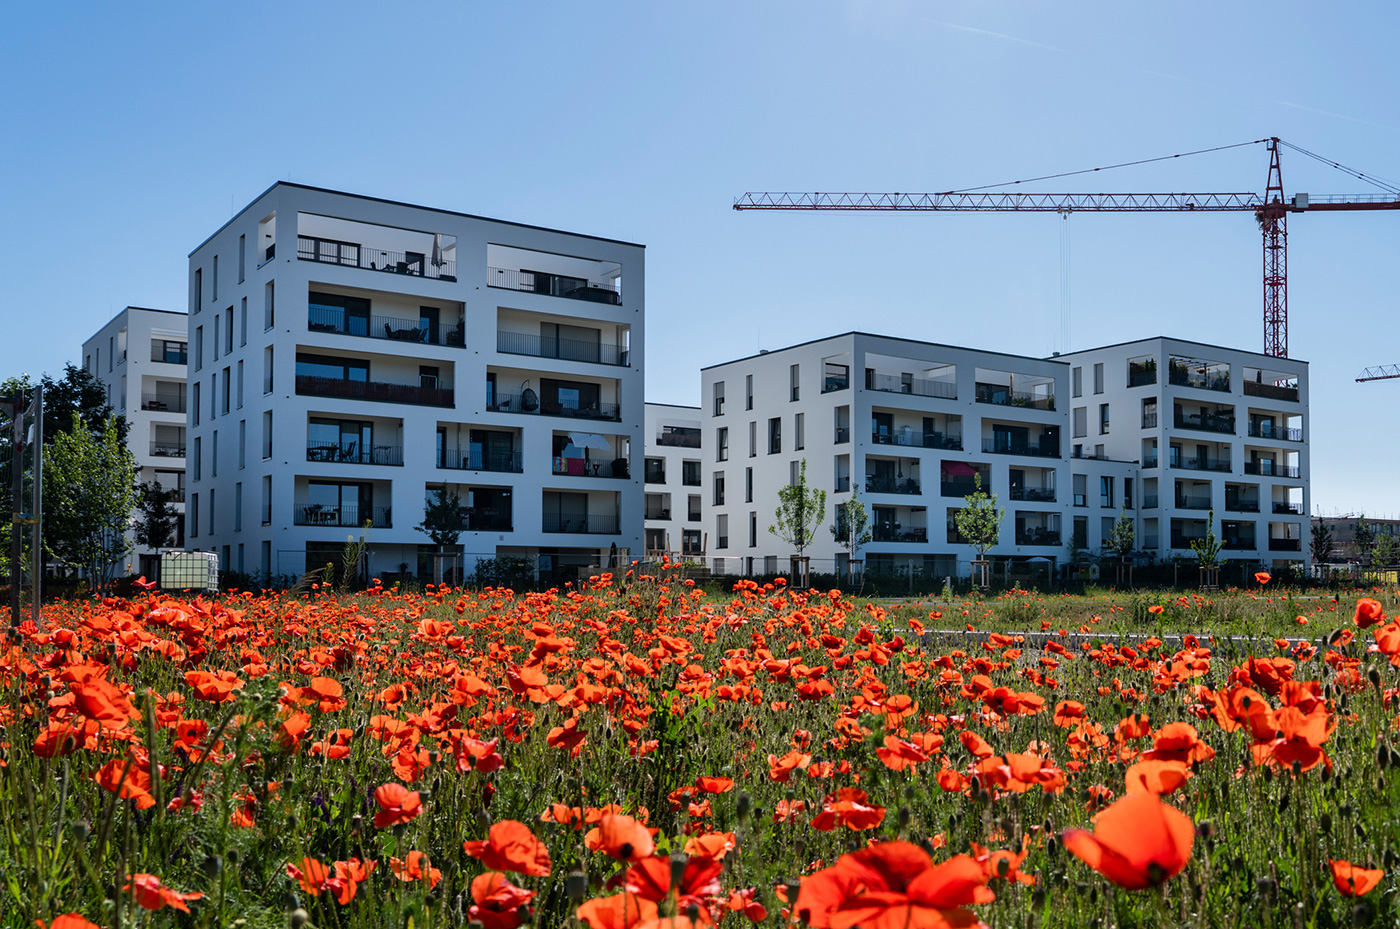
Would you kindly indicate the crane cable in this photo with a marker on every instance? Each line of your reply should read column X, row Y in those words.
column 1361, row 176
column 1126, row 164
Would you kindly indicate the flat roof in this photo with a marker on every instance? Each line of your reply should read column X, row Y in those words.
column 1169, row 338
column 147, row 309
column 876, row 335
column 414, row 206
column 675, row 406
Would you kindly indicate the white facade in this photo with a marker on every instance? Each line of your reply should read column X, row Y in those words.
column 1211, row 428
column 909, row 424
column 350, row 355
column 674, row 465
column 139, row 357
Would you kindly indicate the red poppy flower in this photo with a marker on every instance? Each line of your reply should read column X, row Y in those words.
column 849, row 807
column 715, row 785
column 148, row 891
column 1156, row 609
column 415, row 868
column 780, row 769
column 511, row 846
column 620, row 911
column 1353, row 881
column 397, row 804
column 1156, row 777
column 620, row 837
column 650, row 878
column 1262, row 577
column 1137, row 842
column 67, row 921
column 742, row 901
column 1368, row 612
column 214, row 686
column 893, row 884
column 710, row 845
column 496, row 902
column 103, row 702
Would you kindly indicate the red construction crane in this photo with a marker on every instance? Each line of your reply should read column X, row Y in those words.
column 1379, row 373
column 1271, row 210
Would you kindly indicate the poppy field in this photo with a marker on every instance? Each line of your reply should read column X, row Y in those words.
column 641, row 753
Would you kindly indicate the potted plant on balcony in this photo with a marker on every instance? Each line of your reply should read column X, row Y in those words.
column 801, row 509
column 979, row 524
column 851, row 530
column 1207, row 551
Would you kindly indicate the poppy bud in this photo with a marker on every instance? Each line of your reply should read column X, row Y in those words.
column 1268, row 774
column 1361, row 914
column 1297, row 767
column 1382, row 755
column 904, row 817
column 677, row 869
column 800, row 847
column 692, row 912
column 1206, row 829
column 1373, row 674
column 793, row 889
column 576, row 886
column 81, row 831
column 1038, row 898
column 483, row 822
column 743, row 806
column 1265, row 887
column 1342, row 703
column 1283, row 801
column 213, row 865
column 1052, row 846
column 478, row 924
column 1003, row 867
column 1324, row 822
column 298, row 918
column 357, row 823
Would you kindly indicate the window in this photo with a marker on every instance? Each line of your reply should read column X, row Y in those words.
column 722, row 444
column 214, row 283
column 198, row 300
column 213, row 471
column 655, row 471
column 692, row 508
column 242, row 442
column 794, row 472
column 267, row 370
column 1128, row 493
column 212, row 511
column 793, row 378
column 265, row 557
column 1081, row 421
column 195, row 459
column 224, row 397
column 722, row 531
column 243, row 322
column 1077, row 379
column 266, row 506
column 1103, row 419
column 1106, row 491
column 690, row 473
column 748, row 485
column 719, row 489
column 267, row 434
column 1149, row 413
column 198, row 347
column 240, row 383
column 192, row 515
column 719, row 398
column 775, row 435
column 753, row 530
column 1098, row 378
column 242, row 248
column 214, row 395
column 753, row 439
column 1081, row 492
column 748, row 391
column 228, row 331
column 239, row 517
column 799, row 432
column 197, row 387
column 269, row 295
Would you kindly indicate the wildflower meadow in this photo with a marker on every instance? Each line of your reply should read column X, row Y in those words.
column 643, row 752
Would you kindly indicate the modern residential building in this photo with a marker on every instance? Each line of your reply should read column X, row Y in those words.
column 674, row 463
column 1211, row 428
column 139, row 357
column 911, row 426
column 351, row 356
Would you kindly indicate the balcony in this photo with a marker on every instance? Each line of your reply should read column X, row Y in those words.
column 1184, row 541
column 1210, row 422
column 171, row 353
column 1033, row 494
column 1271, row 391
column 914, row 386
column 537, row 346
column 1140, row 373
column 896, row 533
column 580, row 467
column 1038, row 537
column 1241, row 506
column 1266, row 468
column 1289, row 509
column 335, row 319
column 507, row 402
column 1000, row 395
column 312, row 386
column 910, row 439
column 455, row 459
column 591, row 525
column 346, row 517
column 1265, row 429
column 958, row 488
column 162, row 404
column 654, row 473
column 658, row 512
column 1204, row 464
column 1285, row 545
column 890, row 485
column 554, row 285
column 167, row 450
column 679, row 438
column 1149, row 461
column 1239, row 544
column 1188, row 502
column 995, row 446
column 352, row 453
column 355, row 255
column 1200, row 375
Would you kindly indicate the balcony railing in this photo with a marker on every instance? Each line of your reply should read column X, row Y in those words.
column 1005, row 396
column 506, row 402
column 1239, row 544
column 169, row 356
column 537, row 346
column 456, row 459
column 958, row 488
column 890, row 485
column 309, row 385
column 1038, row 537
column 476, row 521
column 1149, row 543
column 581, row 467
column 1184, row 541
column 354, row 255
column 353, row 517
column 555, row 285
column 996, row 447
column 1267, row 430
column 916, row 386
column 1295, row 509
column 692, row 516
column 679, row 439
column 1149, row 420
column 167, row 450
column 595, row 525
column 1185, row 502
column 1033, row 494
column 1150, row 462
column 1207, row 423
column 843, row 435
column 1141, row 373
column 1266, row 468
column 843, row 483
column 1181, row 376
column 913, row 439
column 1242, row 506
column 1203, row 464
column 658, row 512
column 393, row 328
column 833, row 382
column 352, row 453
column 893, row 534
column 1149, row 501
column 163, row 404
column 1285, row 545
column 1272, row 391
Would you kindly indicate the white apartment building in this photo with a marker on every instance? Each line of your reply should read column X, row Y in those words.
column 674, row 464
column 909, row 424
column 1211, row 428
column 139, row 357
column 349, row 356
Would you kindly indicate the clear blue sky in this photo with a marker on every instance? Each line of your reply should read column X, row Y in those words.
column 130, row 132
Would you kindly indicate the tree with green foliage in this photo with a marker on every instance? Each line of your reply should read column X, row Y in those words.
column 1322, row 544
column 1363, row 539
column 801, row 511
column 89, row 492
column 979, row 521
column 851, row 529
column 442, row 522
column 1386, row 551
column 1208, row 548
column 157, row 521
column 1121, row 540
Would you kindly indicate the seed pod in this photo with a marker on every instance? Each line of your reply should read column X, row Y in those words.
column 298, row 918
column 678, row 863
column 576, row 886
column 1324, row 822
column 904, row 816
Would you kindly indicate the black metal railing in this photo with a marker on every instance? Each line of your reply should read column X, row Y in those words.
column 653, row 474
column 379, row 517
column 1184, row 541
column 1295, row 509
column 355, row 255
column 456, row 459
column 596, row 525
column 832, row 383
column 1242, row 506
column 1265, row 429
column 506, row 402
column 1187, row 502
column 555, row 285
column 1271, row 391
column 538, row 346
column 1180, row 376
column 354, row 453
column 1239, row 543
column 1149, row 543
column 1209, row 422
column 915, row 386
column 1005, row 396
column 999, row 447
column 1033, row 494
column 167, row 450
column 1267, row 468
column 474, row 520
column 1203, row 464
column 677, row 439
column 393, row 328
column 1141, row 373
column 916, row 440
column 313, row 386
column 1038, row 537
column 1284, row 545
column 163, row 404
column 958, row 488
column 900, row 534
column 583, row 467
column 890, row 485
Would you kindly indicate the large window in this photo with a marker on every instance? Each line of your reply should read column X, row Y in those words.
column 557, row 395
column 337, row 313
column 327, row 366
column 339, row 440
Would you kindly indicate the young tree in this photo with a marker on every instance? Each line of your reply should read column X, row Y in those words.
column 442, row 522
column 1207, row 549
column 801, row 510
column 1386, row 551
column 1363, row 539
column 979, row 521
column 1322, row 546
column 851, row 529
column 89, row 491
column 156, row 526
column 1123, row 537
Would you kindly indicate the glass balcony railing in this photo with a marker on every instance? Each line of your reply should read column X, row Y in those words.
column 1267, row 468
column 1033, row 494
column 355, row 255
column 554, row 285
column 1265, row 429
column 1005, row 396
column 1208, row 422
column 352, row 517
column 456, row 459
column 310, row 385
column 392, row 328
column 915, row 386
column 536, row 346
column 593, row 525
column 528, row 402
column 890, row 485
column 1041, row 450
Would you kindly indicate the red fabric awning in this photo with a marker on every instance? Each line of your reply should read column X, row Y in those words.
column 958, row 469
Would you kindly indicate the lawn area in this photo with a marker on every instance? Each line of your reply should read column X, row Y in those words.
column 642, row 753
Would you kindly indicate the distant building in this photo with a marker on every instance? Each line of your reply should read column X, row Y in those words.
column 674, row 524
column 1343, row 529
column 139, row 357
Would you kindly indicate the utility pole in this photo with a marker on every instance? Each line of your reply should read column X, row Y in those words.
column 36, row 546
